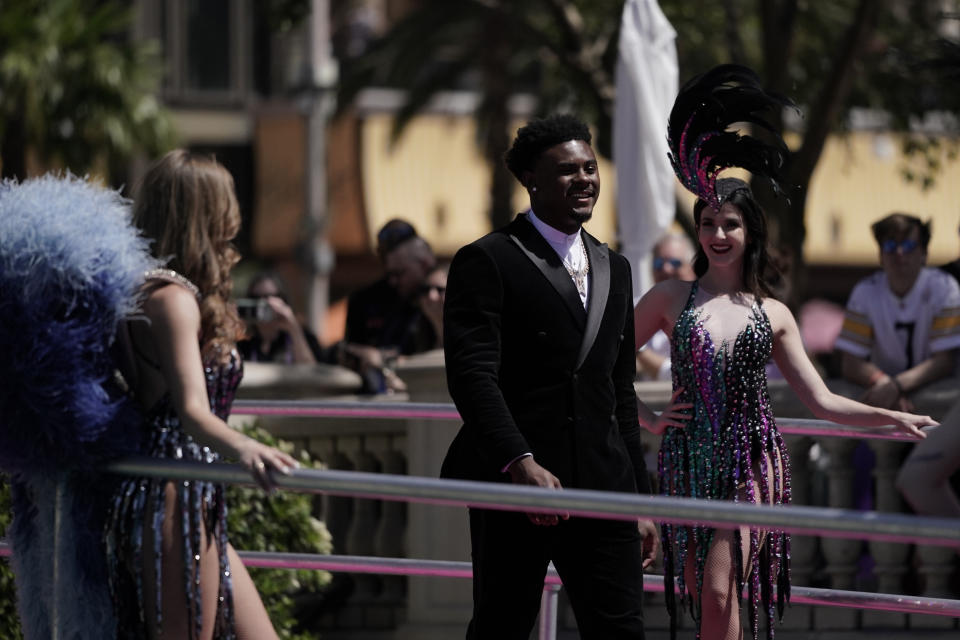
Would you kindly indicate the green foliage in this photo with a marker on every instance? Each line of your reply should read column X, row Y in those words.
column 9, row 622
column 77, row 88
column 280, row 522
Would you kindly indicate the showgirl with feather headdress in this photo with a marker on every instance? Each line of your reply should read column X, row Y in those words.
column 731, row 430
column 701, row 142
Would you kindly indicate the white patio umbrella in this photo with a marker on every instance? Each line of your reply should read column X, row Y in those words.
column 647, row 83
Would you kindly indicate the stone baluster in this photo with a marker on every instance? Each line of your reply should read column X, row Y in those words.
column 936, row 568
column 335, row 511
column 366, row 512
column 891, row 558
column 841, row 554
column 390, row 539
column 389, row 536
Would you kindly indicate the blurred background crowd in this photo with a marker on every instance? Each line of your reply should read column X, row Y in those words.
column 337, row 116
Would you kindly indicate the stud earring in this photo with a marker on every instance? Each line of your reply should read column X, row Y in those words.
column 533, row 189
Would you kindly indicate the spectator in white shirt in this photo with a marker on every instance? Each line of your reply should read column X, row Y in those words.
column 902, row 324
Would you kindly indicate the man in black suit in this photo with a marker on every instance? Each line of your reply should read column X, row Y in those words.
column 538, row 336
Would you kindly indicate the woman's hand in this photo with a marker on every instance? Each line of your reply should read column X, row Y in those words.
column 675, row 415
column 911, row 423
column 260, row 460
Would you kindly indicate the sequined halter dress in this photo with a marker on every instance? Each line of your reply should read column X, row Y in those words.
column 202, row 508
column 719, row 455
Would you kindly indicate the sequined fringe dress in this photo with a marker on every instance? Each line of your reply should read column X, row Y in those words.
column 719, row 455
column 202, row 508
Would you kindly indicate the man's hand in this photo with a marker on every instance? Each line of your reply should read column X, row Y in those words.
column 527, row 471
column 651, row 541
column 883, row 393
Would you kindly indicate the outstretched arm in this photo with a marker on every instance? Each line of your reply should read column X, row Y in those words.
column 791, row 358
column 174, row 326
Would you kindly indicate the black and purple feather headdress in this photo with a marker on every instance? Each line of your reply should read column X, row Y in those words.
column 700, row 143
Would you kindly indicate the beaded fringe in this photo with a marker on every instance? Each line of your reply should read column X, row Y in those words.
column 731, row 432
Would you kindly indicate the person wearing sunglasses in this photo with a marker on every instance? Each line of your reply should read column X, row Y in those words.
column 672, row 258
column 901, row 328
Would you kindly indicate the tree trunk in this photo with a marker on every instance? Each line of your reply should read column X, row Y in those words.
column 494, row 120
column 787, row 219
column 823, row 115
column 13, row 150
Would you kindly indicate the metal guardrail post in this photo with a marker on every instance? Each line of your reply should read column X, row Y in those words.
column 549, row 611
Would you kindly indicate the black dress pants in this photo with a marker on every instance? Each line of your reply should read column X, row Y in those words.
column 599, row 561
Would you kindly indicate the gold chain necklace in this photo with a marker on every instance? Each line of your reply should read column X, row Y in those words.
column 579, row 275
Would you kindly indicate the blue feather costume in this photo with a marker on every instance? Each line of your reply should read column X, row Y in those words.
column 70, row 267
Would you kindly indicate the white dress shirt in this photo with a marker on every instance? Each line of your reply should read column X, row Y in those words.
column 569, row 247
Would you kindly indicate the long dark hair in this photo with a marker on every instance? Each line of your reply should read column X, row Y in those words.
column 756, row 258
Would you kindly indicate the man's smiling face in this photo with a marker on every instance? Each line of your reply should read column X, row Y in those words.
column 567, row 185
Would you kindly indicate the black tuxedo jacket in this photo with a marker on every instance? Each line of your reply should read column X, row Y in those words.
column 531, row 371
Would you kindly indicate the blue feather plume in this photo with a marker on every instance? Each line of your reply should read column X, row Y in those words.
column 70, row 266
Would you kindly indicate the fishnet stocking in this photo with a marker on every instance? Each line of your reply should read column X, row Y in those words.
column 718, row 605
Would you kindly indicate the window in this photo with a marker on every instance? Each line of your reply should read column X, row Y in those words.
column 207, row 49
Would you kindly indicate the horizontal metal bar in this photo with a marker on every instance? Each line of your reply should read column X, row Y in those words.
column 817, row 521
column 447, row 411
column 347, row 409
column 653, row 583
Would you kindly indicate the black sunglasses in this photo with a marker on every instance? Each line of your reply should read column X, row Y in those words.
column 906, row 246
column 658, row 263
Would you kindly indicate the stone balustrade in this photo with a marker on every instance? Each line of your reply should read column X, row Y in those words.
column 823, row 474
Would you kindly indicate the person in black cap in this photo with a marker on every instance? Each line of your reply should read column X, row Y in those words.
column 383, row 319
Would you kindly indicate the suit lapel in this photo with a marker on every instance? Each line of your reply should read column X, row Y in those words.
column 542, row 255
column 599, row 257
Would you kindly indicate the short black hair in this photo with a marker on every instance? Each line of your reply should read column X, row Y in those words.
column 539, row 135
column 899, row 224
column 392, row 234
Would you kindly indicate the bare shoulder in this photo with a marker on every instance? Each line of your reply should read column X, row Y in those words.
column 172, row 304
column 779, row 314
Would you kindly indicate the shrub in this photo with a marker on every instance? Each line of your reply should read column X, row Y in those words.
column 9, row 622
column 281, row 522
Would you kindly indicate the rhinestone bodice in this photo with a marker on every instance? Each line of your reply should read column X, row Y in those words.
column 724, row 452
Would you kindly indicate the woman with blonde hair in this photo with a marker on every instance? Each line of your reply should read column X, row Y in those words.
column 172, row 572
